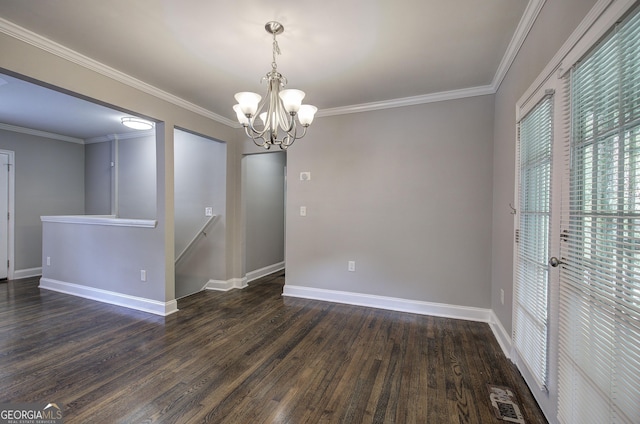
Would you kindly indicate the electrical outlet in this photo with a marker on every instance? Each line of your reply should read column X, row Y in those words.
column 143, row 275
column 351, row 266
column 305, row 176
column 502, row 296
column 303, row 211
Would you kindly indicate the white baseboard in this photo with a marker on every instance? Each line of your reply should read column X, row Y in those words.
column 259, row 273
column 501, row 335
column 133, row 302
column 219, row 285
column 26, row 273
column 391, row 303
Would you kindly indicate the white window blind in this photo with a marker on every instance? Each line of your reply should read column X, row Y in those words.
column 599, row 317
column 530, row 329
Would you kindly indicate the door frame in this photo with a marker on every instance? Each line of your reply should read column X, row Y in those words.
column 11, row 208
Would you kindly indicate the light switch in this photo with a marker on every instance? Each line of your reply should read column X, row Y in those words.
column 208, row 211
column 303, row 211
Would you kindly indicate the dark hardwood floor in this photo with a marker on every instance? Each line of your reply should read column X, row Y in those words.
column 247, row 356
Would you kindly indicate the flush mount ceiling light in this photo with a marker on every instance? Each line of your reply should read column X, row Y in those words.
column 137, row 123
column 278, row 110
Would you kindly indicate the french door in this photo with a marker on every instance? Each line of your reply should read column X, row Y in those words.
column 537, row 242
column 576, row 305
column 599, row 320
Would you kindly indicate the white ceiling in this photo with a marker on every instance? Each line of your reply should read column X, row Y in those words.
column 345, row 54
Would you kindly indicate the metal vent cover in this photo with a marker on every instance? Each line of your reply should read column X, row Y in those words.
column 504, row 405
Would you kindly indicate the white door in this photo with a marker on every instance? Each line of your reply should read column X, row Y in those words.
column 538, row 196
column 4, row 215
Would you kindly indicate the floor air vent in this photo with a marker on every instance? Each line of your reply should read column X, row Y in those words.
column 503, row 402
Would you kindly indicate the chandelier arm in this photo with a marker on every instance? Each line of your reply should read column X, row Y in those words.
column 255, row 138
column 286, row 142
column 304, row 132
column 254, row 132
column 292, row 131
column 275, row 108
column 287, row 121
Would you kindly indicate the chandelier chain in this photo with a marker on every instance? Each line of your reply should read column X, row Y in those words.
column 276, row 50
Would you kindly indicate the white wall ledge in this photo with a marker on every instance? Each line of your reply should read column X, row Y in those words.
column 106, row 220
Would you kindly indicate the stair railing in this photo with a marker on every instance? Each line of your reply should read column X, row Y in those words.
column 199, row 234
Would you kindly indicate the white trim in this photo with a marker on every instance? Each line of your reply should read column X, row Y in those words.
column 501, row 335
column 219, row 285
column 570, row 51
column 262, row 272
column 410, row 101
column 106, row 220
column 45, row 134
column 123, row 136
column 59, row 50
column 390, row 303
column 26, row 273
column 549, row 88
column 600, row 19
column 133, row 302
column 524, row 26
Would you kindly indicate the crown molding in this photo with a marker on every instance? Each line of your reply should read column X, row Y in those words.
column 63, row 52
column 54, row 136
column 524, row 26
column 38, row 133
column 123, row 136
column 409, row 101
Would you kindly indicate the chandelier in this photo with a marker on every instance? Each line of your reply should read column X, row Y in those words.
column 279, row 108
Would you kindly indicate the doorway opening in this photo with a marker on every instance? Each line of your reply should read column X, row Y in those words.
column 6, row 213
column 264, row 198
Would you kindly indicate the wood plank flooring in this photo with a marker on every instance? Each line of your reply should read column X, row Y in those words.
column 247, row 356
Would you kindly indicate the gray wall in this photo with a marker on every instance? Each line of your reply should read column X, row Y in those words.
column 137, row 178
column 264, row 186
column 49, row 180
column 404, row 192
column 105, row 258
column 556, row 22
column 98, row 178
column 200, row 181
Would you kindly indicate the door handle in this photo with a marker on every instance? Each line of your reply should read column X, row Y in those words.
column 554, row 262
